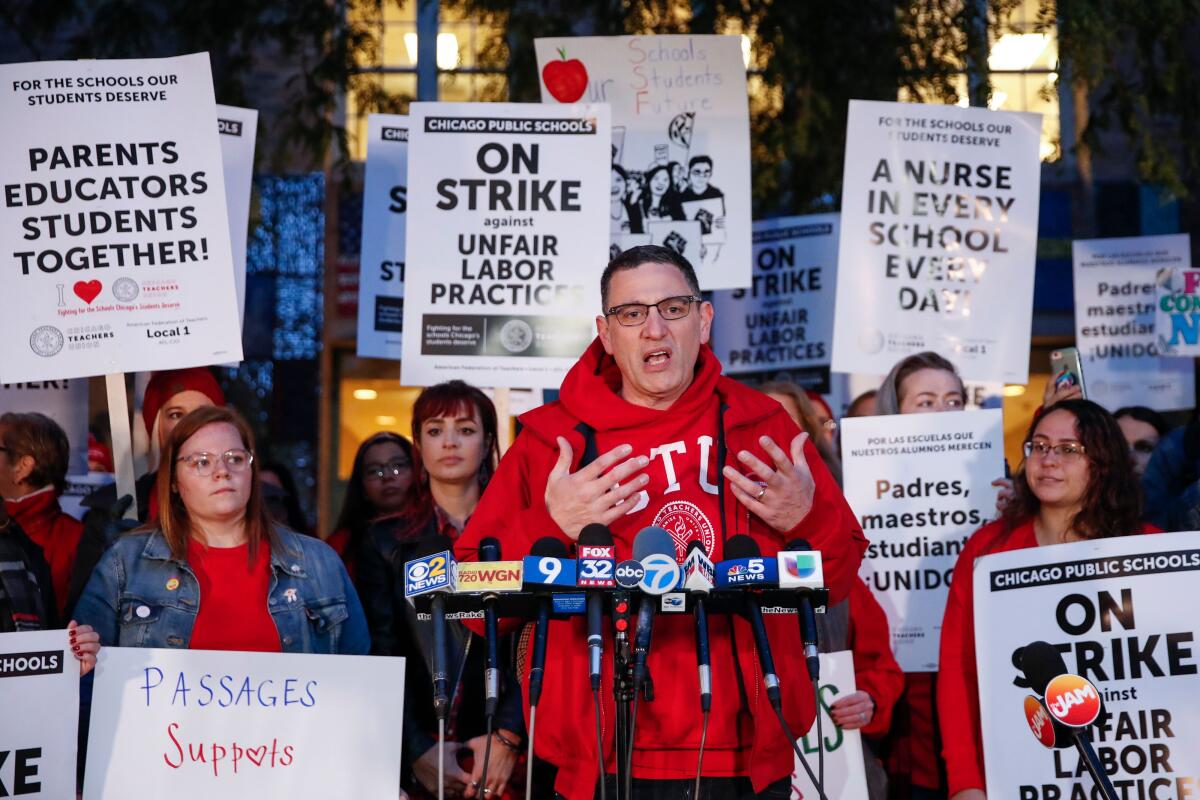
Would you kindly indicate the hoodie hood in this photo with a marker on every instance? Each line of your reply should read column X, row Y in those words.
column 591, row 391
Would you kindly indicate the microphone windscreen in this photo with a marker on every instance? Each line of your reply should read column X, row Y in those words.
column 434, row 544
column 653, row 539
column 595, row 534
column 548, row 547
column 694, row 545
column 741, row 546
column 1041, row 663
column 489, row 549
column 798, row 545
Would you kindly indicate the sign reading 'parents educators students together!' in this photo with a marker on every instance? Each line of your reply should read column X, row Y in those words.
column 116, row 242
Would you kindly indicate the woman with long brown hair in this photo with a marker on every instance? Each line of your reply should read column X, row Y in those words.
column 1076, row 483
column 213, row 572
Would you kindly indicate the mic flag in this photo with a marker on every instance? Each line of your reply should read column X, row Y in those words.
column 654, row 548
column 698, row 571
column 597, row 557
column 800, row 566
column 547, row 565
column 744, row 566
column 435, row 572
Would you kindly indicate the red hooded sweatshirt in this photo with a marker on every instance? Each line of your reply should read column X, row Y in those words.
column 683, row 496
column 54, row 530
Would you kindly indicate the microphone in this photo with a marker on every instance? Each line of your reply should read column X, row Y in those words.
column 800, row 568
column 489, row 551
column 654, row 549
column 547, row 565
column 1071, row 700
column 742, row 570
column 745, row 553
column 434, row 570
column 597, row 558
column 698, row 574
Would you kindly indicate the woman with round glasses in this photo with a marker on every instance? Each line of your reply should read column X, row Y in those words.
column 379, row 482
column 213, row 572
column 1076, row 483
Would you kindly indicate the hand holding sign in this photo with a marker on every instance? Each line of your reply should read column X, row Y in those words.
column 593, row 494
column 425, row 770
column 85, row 644
column 784, row 495
column 500, row 766
column 853, row 711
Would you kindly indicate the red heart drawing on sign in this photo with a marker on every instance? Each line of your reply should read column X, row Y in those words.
column 257, row 754
column 87, row 291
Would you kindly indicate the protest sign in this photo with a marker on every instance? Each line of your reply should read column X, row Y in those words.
column 920, row 484
column 1177, row 321
column 502, row 284
column 680, row 151
column 845, row 775
column 1114, row 322
column 785, row 319
column 39, row 715
column 238, row 128
column 116, row 239
column 381, row 266
column 65, row 402
column 938, row 238
column 1115, row 609
column 201, row 724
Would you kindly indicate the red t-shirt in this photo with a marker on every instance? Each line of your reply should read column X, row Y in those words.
column 233, row 611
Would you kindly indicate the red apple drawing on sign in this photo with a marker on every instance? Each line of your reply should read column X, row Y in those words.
column 565, row 80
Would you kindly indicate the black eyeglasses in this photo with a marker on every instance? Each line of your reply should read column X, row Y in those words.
column 631, row 315
column 377, row 472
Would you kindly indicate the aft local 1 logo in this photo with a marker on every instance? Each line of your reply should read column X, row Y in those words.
column 662, row 574
column 427, row 574
column 46, row 341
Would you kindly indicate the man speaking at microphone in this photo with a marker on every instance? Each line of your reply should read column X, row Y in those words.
column 647, row 431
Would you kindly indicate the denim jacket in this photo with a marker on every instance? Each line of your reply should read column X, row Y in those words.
column 139, row 596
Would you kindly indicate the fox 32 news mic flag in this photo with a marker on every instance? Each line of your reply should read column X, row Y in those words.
column 507, row 241
column 238, row 128
column 1114, row 608
column 1115, row 302
column 39, row 695
column 681, row 141
column 115, row 241
column 385, row 206
column 202, row 724
column 784, row 321
column 920, row 485
column 845, row 773
column 939, row 238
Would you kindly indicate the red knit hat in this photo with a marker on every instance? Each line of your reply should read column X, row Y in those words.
column 820, row 401
column 165, row 385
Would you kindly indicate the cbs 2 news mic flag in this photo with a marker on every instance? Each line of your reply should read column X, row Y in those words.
column 507, row 207
column 1118, row 609
column 115, row 240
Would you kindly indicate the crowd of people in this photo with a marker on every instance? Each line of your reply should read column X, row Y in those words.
column 645, row 427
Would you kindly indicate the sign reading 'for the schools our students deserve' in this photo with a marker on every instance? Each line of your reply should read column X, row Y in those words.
column 920, row 485
column 506, row 241
column 39, row 714
column 199, row 724
column 114, row 239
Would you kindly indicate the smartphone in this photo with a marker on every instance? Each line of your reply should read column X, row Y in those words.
column 1066, row 369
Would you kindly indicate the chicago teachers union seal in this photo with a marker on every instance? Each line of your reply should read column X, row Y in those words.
column 125, row 289
column 686, row 522
column 46, row 341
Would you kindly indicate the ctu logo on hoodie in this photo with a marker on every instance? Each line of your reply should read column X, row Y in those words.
column 684, row 520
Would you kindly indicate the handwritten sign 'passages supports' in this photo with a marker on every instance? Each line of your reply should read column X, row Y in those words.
column 785, row 319
column 506, row 241
column 681, row 141
column 939, row 238
column 1115, row 319
column 385, row 206
column 1113, row 607
column 114, row 240
column 920, row 485
column 198, row 724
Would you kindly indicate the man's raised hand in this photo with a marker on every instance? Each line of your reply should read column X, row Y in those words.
column 594, row 493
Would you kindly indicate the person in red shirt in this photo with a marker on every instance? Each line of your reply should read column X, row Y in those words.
column 646, row 431
column 33, row 472
column 1077, row 483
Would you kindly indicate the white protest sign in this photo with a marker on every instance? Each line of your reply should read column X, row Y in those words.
column 680, row 151
column 507, row 201
column 938, row 239
column 845, row 773
column 238, row 128
column 381, row 266
column 1177, row 322
column 785, row 319
column 65, row 402
column 116, row 241
column 39, row 715
column 1118, row 610
column 201, row 724
column 920, row 484
column 1114, row 322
